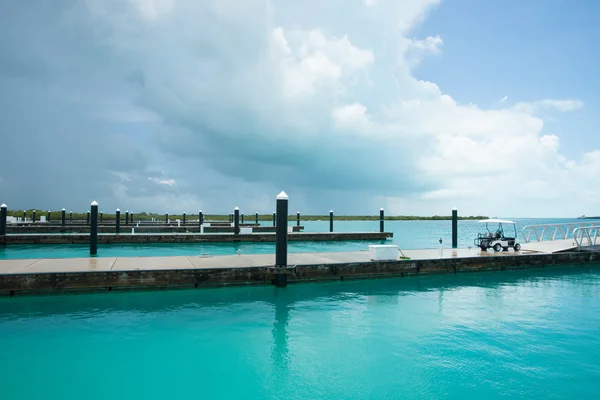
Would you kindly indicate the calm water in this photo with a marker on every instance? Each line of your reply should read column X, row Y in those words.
column 407, row 234
column 526, row 334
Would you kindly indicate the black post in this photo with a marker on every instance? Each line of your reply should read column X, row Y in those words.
column 281, row 239
column 200, row 217
column 118, row 221
column 3, row 210
column 298, row 218
column 236, row 221
column 70, row 216
column 454, row 228
column 230, row 218
column 87, row 218
column 131, row 218
column 242, row 218
column 184, row 218
column 62, row 217
column 126, row 217
column 48, row 217
column 101, row 215
column 94, row 229
column 24, row 215
column 167, row 218
column 33, row 216
column 381, row 218
column 256, row 218
column 330, row 220
column 274, row 221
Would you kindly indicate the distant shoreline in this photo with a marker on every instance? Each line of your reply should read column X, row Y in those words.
column 56, row 216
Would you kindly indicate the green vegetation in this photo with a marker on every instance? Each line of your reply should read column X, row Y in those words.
column 144, row 216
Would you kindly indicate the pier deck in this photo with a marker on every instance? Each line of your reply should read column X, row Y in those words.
column 549, row 246
column 127, row 237
column 108, row 273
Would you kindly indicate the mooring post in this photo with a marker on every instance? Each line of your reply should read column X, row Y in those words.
column 297, row 218
column 87, row 222
column 256, row 219
column 118, row 221
column 48, row 217
column 33, row 216
column 242, row 218
column 3, row 210
column 62, row 217
column 441, row 249
column 183, row 218
column 200, row 217
column 167, row 218
column 131, row 218
column 274, row 219
column 236, row 221
column 101, row 215
column 330, row 220
column 454, row 228
column 94, row 228
column 381, row 218
column 70, row 216
column 24, row 215
column 281, row 240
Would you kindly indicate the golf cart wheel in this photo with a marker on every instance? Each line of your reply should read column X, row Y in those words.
column 497, row 247
column 483, row 248
column 517, row 247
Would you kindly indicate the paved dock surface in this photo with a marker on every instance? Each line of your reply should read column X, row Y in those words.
column 104, row 264
column 549, row 246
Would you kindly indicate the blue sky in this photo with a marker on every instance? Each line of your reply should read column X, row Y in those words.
column 416, row 106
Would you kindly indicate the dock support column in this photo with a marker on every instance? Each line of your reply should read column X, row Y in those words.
column 236, row 221
column 274, row 219
column 200, row 217
column 281, row 240
column 70, row 216
column 381, row 219
column 24, row 215
column 131, row 218
column 94, row 228
column 230, row 218
column 454, row 228
column 330, row 220
column 48, row 217
column 167, row 218
column 126, row 217
column 62, row 217
column 256, row 218
column 297, row 218
column 101, row 215
column 183, row 218
column 3, row 210
column 242, row 218
column 33, row 216
column 118, row 222
column 87, row 222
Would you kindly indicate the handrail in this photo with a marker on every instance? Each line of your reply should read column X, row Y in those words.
column 561, row 231
column 588, row 232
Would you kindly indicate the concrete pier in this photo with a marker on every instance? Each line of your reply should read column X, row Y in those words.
column 106, row 274
column 104, row 238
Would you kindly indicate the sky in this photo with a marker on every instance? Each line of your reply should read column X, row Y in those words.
column 416, row 106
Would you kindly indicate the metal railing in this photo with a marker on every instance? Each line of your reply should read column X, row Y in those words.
column 586, row 236
column 553, row 231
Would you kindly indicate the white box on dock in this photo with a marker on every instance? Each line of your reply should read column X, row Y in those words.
column 379, row 252
column 245, row 231
column 290, row 229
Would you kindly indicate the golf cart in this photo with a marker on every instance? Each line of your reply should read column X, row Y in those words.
column 496, row 239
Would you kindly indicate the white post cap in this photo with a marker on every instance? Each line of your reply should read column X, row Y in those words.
column 297, row 212
column 118, row 210
column 200, row 211
column 94, row 203
column 3, row 205
column 126, row 210
column 63, row 209
column 330, row 211
column 453, row 208
column 237, row 209
column 282, row 196
column 381, row 209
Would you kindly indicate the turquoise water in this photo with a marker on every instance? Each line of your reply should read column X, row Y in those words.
column 407, row 234
column 511, row 334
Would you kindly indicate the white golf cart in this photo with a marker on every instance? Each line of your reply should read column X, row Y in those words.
column 496, row 239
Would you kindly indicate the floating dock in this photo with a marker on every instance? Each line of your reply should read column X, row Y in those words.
column 106, row 238
column 110, row 273
column 143, row 228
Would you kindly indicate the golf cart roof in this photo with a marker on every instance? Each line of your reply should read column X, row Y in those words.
column 496, row 221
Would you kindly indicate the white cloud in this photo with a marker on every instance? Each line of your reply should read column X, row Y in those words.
column 237, row 100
